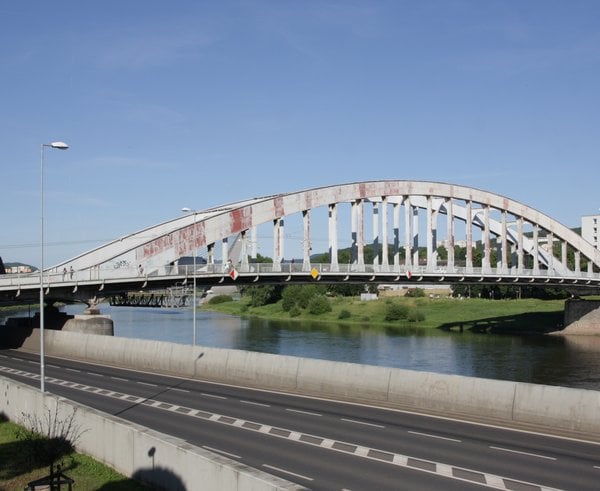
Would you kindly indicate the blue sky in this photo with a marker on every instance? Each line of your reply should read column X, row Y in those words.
column 196, row 103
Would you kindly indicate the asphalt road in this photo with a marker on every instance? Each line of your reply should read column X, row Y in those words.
column 320, row 444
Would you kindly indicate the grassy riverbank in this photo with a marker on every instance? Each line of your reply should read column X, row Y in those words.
column 525, row 315
column 17, row 468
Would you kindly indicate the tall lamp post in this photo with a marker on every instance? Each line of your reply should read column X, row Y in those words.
column 60, row 146
column 189, row 210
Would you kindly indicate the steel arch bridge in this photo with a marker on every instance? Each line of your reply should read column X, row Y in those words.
column 518, row 244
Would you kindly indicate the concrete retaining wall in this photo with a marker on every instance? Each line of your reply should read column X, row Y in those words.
column 581, row 317
column 575, row 412
column 135, row 451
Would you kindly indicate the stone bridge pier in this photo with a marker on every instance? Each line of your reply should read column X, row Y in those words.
column 582, row 317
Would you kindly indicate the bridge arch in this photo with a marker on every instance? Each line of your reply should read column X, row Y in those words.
column 405, row 215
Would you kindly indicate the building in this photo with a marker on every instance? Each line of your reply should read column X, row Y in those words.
column 589, row 229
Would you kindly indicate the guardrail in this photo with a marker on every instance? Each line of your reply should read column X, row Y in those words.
column 392, row 272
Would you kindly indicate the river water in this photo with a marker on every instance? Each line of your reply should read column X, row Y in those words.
column 552, row 360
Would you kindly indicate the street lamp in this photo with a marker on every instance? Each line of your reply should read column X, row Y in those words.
column 189, row 210
column 60, row 146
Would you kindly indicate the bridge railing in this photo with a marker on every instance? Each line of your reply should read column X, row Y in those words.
column 392, row 272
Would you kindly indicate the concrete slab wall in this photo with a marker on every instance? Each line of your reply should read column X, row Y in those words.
column 148, row 456
column 581, row 317
column 570, row 411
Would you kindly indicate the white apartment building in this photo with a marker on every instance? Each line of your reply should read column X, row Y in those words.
column 589, row 229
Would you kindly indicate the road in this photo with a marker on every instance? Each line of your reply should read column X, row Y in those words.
column 320, row 444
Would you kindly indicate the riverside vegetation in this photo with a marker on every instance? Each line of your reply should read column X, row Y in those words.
column 326, row 303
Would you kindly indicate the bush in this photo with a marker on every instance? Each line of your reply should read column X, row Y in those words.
column 307, row 292
column 295, row 311
column 220, row 299
column 263, row 295
column 415, row 315
column 415, row 292
column 289, row 297
column 395, row 312
column 344, row 314
column 319, row 304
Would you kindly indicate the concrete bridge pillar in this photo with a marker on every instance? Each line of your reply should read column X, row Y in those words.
column 376, row 246
column 504, row 244
column 469, row 236
column 407, row 233
column 360, row 237
column 450, row 233
column 581, row 317
column 306, row 247
column 333, row 238
column 520, row 255
column 415, row 235
column 536, row 249
column 384, row 234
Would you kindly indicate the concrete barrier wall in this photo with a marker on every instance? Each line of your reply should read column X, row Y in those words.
column 557, row 409
column 159, row 460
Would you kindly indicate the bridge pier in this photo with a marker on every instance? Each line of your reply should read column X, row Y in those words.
column 581, row 317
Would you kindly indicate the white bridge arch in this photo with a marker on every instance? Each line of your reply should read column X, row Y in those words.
column 528, row 245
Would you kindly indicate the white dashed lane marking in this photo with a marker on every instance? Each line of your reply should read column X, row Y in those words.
column 435, row 436
column 300, row 476
column 303, row 412
column 362, row 423
column 523, row 453
column 348, row 448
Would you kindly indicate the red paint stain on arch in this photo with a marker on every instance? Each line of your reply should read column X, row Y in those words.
column 240, row 219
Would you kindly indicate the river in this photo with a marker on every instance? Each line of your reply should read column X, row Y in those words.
column 572, row 361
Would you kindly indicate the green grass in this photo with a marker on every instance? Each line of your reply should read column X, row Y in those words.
column 17, row 467
column 439, row 313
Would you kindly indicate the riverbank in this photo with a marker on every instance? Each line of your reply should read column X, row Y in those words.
column 524, row 316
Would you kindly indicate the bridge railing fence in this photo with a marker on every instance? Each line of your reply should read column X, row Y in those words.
column 107, row 273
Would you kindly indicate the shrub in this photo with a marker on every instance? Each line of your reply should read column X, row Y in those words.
column 344, row 314
column 307, row 292
column 220, row 299
column 319, row 304
column 295, row 311
column 395, row 312
column 415, row 292
column 290, row 296
column 415, row 315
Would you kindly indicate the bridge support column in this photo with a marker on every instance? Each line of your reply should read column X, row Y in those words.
column 415, row 237
column 277, row 243
column 376, row 246
column 536, row 249
column 469, row 234
column 520, row 252
column 244, row 251
column 581, row 317
column 333, row 238
column 407, row 234
column 486, row 262
column 384, row 234
column 306, row 241
column 450, row 234
column 504, row 244
column 360, row 238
